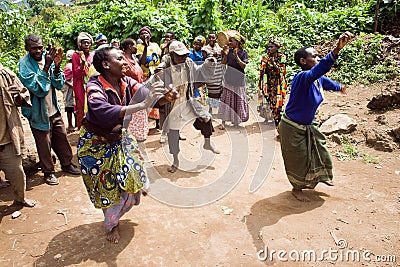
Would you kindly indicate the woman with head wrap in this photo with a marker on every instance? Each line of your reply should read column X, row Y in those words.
column 109, row 157
column 234, row 106
column 272, row 85
column 100, row 40
column 81, row 61
column 149, row 55
column 195, row 53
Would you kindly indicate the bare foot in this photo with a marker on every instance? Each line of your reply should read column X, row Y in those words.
column 26, row 203
column 299, row 195
column 211, row 148
column 113, row 236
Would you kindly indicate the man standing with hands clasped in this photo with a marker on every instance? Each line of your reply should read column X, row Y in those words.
column 40, row 73
column 306, row 157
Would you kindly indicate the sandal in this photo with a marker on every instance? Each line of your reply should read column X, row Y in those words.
column 51, row 179
column 172, row 169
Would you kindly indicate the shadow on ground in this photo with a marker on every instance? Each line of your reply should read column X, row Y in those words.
column 6, row 210
column 86, row 242
column 269, row 211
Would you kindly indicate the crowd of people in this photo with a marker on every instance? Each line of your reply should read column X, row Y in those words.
column 110, row 94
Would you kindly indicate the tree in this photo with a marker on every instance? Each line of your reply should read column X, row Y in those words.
column 38, row 5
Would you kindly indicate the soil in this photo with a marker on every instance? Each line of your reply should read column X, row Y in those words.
column 362, row 210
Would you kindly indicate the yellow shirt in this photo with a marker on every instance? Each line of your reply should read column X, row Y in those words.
column 152, row 58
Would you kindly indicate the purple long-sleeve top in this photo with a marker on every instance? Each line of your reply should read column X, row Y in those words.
column 306, row 95
column 104, row 103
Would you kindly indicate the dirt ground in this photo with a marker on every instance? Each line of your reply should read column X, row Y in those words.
column 361, row 211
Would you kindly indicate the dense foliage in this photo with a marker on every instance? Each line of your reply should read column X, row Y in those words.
column 295, row 23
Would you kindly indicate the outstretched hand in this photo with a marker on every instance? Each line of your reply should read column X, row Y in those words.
column 344, row 39
column 157, row 91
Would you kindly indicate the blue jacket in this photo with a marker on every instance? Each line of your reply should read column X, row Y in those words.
column 38, row 83
column 306, row 93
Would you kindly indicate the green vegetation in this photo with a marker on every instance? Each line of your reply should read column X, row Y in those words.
column 349, row 151
column 295, row 23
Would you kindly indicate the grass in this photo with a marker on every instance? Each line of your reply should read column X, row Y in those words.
column 349, row 152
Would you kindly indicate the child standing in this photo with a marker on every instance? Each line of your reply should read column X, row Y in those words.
column 68, row 92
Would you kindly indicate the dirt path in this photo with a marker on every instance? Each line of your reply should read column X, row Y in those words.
column 362, row 209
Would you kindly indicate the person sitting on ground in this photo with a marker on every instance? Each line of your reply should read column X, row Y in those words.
column 108, row 154
column 40, row 73
column 306, row 157
column 12, row 95
column 182, row 73
column 68, row 91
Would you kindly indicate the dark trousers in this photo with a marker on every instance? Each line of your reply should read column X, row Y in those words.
column 55, row 139
column 206, row 129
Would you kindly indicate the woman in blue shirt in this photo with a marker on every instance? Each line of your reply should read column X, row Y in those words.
column 306, row 157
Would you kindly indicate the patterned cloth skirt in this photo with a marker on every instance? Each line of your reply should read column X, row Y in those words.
column 154, row 112
column 108, row 170
column 139, row 125
column 234, row 105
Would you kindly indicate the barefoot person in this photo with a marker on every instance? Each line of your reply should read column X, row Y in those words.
column 306, row 157
column 81, row 61
column 272, row 84
column 182, row 73
column 68, row 92
column 12, row 92
column 109, row 158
